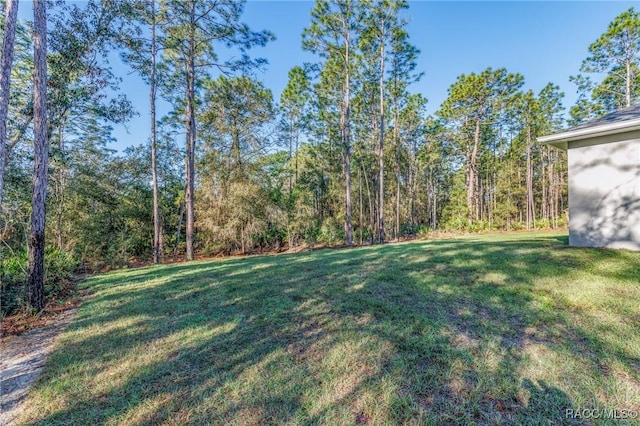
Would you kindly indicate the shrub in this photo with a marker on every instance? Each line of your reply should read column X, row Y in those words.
column 518, row 226
column 424, row 232
column 331, row 232
column 13, row 276
column 58, row 267
column 478, row 226
column 455, row 223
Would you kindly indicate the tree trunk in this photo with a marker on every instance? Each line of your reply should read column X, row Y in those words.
column 178, row 231
column 158, row 252
column 346, row 141
column 191, row 136
column 492, row 196
column 371, row 208
column 398, row 205
column 531, row 214
column 35, row 283
column 361, row 206
column 628, row 84
column 296, row 152
column 553, row 207
column 477, row 197
column 242, row 239
column 561, row 184
column 381, row 235
column 412, row 188
column 528, row 185
column 348, row 230
column 471, row 175
column 509, row 198
column 434, row 206
column 161, row 239
column 10, row 18
column 396, row 145
column 290, row 154
column 290, row 195
column 61, row 187
column 544, row 205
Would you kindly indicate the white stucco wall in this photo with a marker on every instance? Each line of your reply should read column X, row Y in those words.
column 604, row 192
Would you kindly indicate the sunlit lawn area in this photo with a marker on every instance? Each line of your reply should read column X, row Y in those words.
column 496, row 329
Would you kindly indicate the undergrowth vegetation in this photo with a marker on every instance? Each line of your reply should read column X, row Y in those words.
column 59, row 266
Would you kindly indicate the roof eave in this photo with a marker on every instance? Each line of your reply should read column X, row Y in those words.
column 561, row 144
column 561, row 140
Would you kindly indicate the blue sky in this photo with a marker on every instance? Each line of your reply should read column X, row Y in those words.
column 545, row 41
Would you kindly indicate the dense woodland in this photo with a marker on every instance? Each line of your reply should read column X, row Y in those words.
column 347, row 154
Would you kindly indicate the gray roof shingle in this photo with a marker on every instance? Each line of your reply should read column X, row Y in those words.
column 630, row 113
column 620, row 121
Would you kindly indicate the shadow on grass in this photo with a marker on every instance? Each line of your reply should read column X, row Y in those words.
column 435, row 333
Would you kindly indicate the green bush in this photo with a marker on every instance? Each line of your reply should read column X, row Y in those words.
column 331, row 231
column 58, row 267
column 543, row 224
column 518, row 226
column 455, row 223
column 273, row 237
column 13, row 276
column 424, row 231
column 367, row 233
column 310, row 236
column 478, row 226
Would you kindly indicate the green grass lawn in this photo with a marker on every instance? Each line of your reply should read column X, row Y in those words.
column 495, row 329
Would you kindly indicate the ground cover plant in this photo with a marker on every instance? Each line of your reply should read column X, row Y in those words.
column 494, row 329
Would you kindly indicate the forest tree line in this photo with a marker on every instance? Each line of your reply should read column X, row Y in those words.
column 347, row 154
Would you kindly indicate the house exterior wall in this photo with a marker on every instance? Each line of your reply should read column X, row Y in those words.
column 604, row 192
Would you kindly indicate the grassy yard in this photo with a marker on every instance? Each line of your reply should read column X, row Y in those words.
column 497, row 329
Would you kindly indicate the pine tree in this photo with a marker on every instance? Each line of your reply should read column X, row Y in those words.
column 616, row 55
column 192, row 28
column 142, row 54
column 35, row 284
column 333, row 35
column 474, row 100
